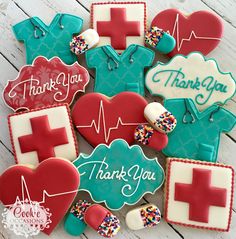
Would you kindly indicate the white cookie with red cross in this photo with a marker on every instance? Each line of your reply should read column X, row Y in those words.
column 199, row 194
column 119, row 24
column 42, row 133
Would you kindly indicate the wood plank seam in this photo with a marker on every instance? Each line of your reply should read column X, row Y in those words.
column 222, row 16
column 9, row 150
column 181, row 236
column 21, row 9
column 229, row 136
column 82, row 6
column 9, row 61
column 2, row 235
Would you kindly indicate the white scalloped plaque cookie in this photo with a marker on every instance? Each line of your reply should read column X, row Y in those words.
column 192, row 76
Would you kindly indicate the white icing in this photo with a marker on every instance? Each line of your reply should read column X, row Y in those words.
column 91, row 37
column 179, row 211
column 197, row 77
column 99, row 124
column 58, row 117
column 133, row 218
column 180, row 41
column 152, row 112
column 133, row 174
column 134, row 12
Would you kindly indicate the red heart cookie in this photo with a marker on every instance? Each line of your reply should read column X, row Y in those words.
column 54, row 184
column 200, row 31
column 100, row 119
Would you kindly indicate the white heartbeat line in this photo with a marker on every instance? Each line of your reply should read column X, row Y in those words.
column 101, row 117
column 192, row 34
column 24, row 188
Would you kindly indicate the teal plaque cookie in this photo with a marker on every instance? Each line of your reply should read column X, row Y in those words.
column 118, row 174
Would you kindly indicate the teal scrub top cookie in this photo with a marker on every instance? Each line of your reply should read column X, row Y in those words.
column 117, row 73
column 48, row 40
column 197, row 134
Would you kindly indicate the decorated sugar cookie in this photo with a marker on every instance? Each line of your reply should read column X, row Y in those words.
column 42, row 133
column 48, row 189
column 74, row 222
column 146, row 135
column 159, row 117
column 44, row 83
column 197, row 134
column 83, row 42
column 119, row 24
column 159, row 40
column 144, row 216
column 199, row 194
column 116, row 73
column 118, row 174
column 49, row 40
column 191, row 31
column 100, row 119
column 192, row 76
column 102, row 220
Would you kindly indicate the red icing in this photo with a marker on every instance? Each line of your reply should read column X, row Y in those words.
column 118, row 28
column 158, row 141
column 122, row 113
column 53, row 82
column 191, row 27
column 200, row 195
column 95, row 215
column 55, row 176
column 43, row 139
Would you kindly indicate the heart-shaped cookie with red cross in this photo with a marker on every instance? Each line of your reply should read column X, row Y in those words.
column 50, row 188
column 199, row 31
column 100, row 119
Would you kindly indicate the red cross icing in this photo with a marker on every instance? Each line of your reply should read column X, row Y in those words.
column 43, row 139
column 118, row 28
column 200, row 195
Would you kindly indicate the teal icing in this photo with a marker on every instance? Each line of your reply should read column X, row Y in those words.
column 118, row 174
column 56, row 40
column 199, row 140
column 127, row 72
column 166, row 44
column 74, row 226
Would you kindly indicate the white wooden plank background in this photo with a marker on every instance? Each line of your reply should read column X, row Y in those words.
column 12, row 57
